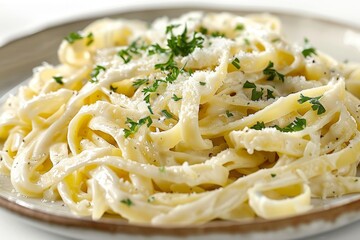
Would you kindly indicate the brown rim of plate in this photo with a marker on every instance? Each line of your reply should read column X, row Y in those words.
column 219, row 226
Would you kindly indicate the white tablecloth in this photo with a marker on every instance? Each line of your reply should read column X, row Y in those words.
column 21, row 17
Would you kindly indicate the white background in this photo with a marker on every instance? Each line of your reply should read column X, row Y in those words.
column 21, row 17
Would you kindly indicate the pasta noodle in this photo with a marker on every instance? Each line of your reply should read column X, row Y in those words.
column 184, row 121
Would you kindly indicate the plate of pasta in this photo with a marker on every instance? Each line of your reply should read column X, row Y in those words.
column 186, row 123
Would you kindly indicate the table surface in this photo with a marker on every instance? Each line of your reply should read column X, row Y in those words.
column 21, row 17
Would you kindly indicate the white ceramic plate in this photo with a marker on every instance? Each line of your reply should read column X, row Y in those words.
column 340, row 41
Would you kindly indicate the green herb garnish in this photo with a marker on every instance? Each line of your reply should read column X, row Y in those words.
column 112, row 88
column 73, row 37
column 90, row 39
column 134, row 126
column 58, row 79
column 272, row 73
column 176, row 98
column 155, row 49
column 180, row 45
column 229, row 114
column 138, row 82
column 95, row 72
column 316, row 105
column 258, row 126
column 255, row 95
column 309, row 50
column 269, row 94
column 202, row 83
column 273, row 175
column 217, row 34
column 127, row 202
column 236, row 63
column 297, row 125
column 239, row 27
column 246, row 41
column 167, row 114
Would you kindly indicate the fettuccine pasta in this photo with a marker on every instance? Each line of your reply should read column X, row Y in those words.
column 184, row 121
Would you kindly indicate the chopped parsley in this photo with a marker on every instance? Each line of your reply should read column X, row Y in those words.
column 169, row 64
column 138, row 82
column 95, row 72
column 229, row 114
column 248, row 84
column 297, row 125
column 176, row 98
column 167, row 114
column 217, row 34
column 275, row 40
column 272, row 73
column 127, row 201
column 125, row 55
column 239, row 27
column 316, row 105
column 255, row 95
column 258, row 126
column 181, row 45
column 112, row 88
column 90, row 39
column 202, row 83
column 135, row 126
column 269, row 94
column 246, row 41
column 58, row 79
column 309, row 50
column 273, row 175
column 203, row 30
column 155, row 49
column 236, row 63
column 75, row 36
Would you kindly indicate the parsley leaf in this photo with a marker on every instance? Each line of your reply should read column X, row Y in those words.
column 217, row 34
column 155, row 49
column 135, row 126
column 203, row 30
column 316, row 105
column 176, row 98
column 236, row 63
column 269, row 94
column 297, row 125
column 95, row 72
column 255, row 95
column 112, row 88
column 202, row 83
column 248, row 84
column 90, row 39
column 127, row 202
column 229, row 114
column 167, row 114
column 272, row 73
column 73, row 37
column 246, row 41
column 180, row 45
column 273, row 175
column 58, row 79
column 125, row 55
column 258, row 126
column 308, row 51
column 239, row 27
column 138, row 82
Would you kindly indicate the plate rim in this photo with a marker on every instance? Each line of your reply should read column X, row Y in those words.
column 228, row 227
